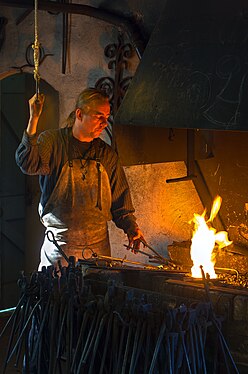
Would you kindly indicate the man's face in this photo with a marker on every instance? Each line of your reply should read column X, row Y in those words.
column 94, row 118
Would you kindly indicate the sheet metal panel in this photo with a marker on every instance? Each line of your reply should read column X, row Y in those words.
column 193, row 73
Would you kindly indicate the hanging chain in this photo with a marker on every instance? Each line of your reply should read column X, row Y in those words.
column 36, row 48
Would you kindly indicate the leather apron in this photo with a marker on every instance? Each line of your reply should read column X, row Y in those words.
column 77, row 213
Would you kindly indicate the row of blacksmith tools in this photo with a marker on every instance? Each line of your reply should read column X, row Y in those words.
column 61, row 326
column 154, row 256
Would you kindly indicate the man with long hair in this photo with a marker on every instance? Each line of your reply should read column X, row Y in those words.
column 83, row 185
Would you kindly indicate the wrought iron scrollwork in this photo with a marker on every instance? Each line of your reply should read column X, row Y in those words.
column 116, row 87
column 30, row 58
column 30, row 55
column 106, row 84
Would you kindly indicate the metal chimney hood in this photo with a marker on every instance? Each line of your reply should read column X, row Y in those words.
column 194, row 70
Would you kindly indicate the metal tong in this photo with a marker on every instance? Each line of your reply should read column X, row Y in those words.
column 54, row 241
column 157, row 256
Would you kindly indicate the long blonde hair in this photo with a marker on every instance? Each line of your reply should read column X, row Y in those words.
column 85, row 98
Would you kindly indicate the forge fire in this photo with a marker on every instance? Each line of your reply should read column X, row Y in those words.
column 204, row 242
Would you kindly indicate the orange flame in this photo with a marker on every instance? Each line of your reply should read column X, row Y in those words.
column 203, row 242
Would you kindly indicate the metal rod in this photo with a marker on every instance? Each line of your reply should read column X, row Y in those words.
column 222, row 339
column 139, row 251
column 122, row 260
column 153, row 250
column 190, row 162
column 54, row 241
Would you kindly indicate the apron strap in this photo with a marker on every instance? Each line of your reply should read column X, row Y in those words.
column 99, row 172
column 69, row 149
column 99, row 190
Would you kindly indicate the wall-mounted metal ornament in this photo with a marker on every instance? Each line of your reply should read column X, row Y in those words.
column 116, row 87
column 29, row 56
